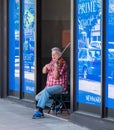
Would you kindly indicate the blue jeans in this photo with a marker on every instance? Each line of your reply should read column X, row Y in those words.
column 43, row 96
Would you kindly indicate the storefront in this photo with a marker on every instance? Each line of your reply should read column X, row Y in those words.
column 30, row 28
column 94, row 46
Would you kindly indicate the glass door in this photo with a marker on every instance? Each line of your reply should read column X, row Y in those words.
column 88, row 44
column 14, row 48
column 21, row 48
column 28, row 48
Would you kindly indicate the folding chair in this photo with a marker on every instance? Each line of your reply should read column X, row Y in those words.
column 59, row 103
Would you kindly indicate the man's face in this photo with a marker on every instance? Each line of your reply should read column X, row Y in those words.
column 55, row 55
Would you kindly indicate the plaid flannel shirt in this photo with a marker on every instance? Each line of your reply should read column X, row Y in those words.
column 62, row 79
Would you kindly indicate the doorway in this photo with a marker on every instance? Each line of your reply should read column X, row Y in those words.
column 55, row 30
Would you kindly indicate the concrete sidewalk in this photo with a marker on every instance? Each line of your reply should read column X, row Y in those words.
column 14, row 116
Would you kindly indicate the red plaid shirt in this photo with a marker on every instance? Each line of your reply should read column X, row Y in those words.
column 62, row 80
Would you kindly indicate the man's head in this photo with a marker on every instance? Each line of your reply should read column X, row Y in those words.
column 56, row 52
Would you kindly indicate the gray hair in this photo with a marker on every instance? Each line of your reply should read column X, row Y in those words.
column 56, row 49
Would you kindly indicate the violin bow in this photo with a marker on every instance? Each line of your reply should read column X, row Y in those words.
column 65, row 48
column 63, row 51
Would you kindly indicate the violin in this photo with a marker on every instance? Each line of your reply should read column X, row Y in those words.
column 59, row 61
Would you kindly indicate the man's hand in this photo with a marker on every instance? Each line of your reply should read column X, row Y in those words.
column 46, row 68
column 56, row 66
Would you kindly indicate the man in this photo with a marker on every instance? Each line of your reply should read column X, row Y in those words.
column 56, row 83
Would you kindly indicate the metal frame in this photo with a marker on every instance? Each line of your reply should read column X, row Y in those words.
column 38, row 46
column 74, row 54
column 21, row 41
column 103, row 109
column 1, row 89
column 3, row 48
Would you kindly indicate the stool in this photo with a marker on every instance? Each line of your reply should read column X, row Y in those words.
column 59, row 102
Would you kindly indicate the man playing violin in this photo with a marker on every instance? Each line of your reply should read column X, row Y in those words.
column 56, row 82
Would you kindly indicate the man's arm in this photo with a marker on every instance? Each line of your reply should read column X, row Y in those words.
column 59, row 70
column 56, row 71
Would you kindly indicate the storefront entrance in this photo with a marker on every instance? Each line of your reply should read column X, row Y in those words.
column 31, row 37
column 55, row 32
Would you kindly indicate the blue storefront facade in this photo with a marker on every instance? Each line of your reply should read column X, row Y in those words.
column 30, row 28
column 28, row 37
column 94, row 48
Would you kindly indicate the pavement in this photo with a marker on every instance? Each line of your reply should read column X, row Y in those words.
column 15, row 116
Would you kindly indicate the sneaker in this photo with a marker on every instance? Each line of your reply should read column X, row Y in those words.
column 37, row 114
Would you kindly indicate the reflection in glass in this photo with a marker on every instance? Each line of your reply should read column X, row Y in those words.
column 89, row 51
column 110, row 54
column 28, row 46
